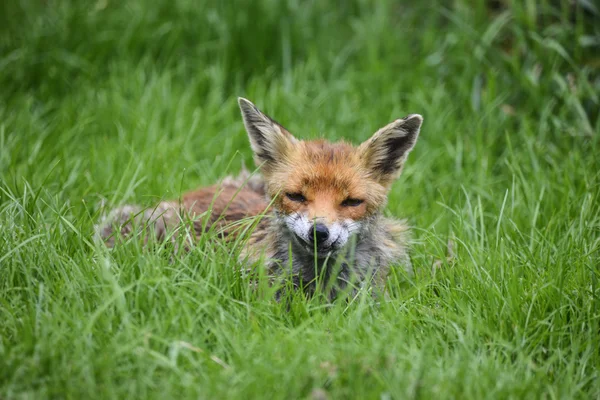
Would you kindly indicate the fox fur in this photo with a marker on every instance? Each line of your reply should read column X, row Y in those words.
column 319, row 205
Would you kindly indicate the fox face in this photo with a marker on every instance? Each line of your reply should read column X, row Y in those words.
column 324, row 193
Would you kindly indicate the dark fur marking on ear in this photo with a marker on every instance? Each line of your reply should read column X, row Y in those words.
column 395, row 147
column 263, row 155
column 258, row 117
column 257, row 124
column 253, row 120
column 393, row 143
column 412, row 124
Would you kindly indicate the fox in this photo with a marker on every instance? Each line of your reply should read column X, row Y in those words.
column 319, row 206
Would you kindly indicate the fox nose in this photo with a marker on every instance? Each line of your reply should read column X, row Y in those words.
column 319, row 232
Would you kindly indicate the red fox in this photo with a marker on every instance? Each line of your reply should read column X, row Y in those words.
column 321, row 204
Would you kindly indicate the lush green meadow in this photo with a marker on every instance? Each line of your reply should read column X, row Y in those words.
column 105, row 102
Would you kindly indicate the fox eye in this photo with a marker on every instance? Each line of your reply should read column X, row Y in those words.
column 297, row 197
column 350, row 202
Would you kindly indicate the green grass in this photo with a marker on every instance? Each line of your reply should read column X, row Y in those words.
column 136, row 101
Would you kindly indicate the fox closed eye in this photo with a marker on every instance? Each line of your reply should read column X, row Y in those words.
column 297, row 197
column 350, row 202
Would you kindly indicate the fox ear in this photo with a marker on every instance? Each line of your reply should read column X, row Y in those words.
column 386, row 151
column 270, row 141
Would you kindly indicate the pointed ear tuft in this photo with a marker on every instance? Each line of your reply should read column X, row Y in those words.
column 269, row 140
column 386, row 151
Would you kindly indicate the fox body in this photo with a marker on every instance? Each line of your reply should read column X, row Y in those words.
column 320, row 205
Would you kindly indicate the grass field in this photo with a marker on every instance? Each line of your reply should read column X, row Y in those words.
column 121, row 102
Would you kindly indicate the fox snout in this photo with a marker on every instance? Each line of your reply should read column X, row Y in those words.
column 316, row 234
column 319, row 234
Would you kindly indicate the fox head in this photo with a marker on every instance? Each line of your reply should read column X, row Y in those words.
column 326, row 192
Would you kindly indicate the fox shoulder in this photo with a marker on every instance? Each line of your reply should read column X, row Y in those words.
column 393, row 237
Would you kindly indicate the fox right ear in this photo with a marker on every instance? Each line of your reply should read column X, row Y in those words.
column 385, row 153
column 269, row 140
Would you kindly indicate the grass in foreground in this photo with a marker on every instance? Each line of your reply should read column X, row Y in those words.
column 109, row 103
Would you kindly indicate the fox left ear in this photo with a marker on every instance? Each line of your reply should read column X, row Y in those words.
column 386, row 151
column 269, row 140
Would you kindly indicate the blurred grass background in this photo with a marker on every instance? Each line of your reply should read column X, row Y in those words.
column 136, row 101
